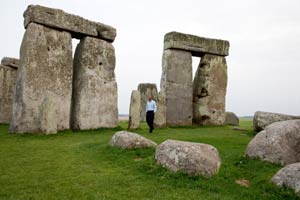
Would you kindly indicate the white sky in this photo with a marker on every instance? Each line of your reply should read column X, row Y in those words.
column 264, row 35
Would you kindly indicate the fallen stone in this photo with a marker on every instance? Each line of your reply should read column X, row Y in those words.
column 58, row 19
column 191, row 158
column 146, row 90
column 128, row 140
column 263, row 119
column 231, row 119
column 44, row 75
column 195, row 44
column 134, row 110
column 289, row 176
column 11, row 62
column 243, row 182
column 177, row 87
column 160, row 115
column 209, row 91
column 278, row 143
column 239, row 129
column 8, row 77
column 95, row 97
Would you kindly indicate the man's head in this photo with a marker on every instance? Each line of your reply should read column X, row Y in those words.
column 150, row 98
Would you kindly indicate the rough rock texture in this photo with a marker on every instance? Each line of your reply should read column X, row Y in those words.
column 8, row 77
column 58, row 19
column 95, row 97
column 278, row 143
column 128, row 140
column 11, row 62
column 289, row 176
column 177, row 86
column 263, row 119
column 134, row 110
column 209, row 91
column 160, row 115
column 191, row 158
column 195, row 44
column 44, row 81
column 146, row 90
column 231, row 119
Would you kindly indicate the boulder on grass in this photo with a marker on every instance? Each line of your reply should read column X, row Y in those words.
column 128, row 140
column 289, row 176
column 189, row 157
column 278, row 143
column 231, row 119
column 263, row 119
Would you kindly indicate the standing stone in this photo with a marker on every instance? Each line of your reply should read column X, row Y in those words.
column 146, row 90
column 263, row 119
column 177, row 86
column 8, row 76
column 160, row 115
column 134, row 111
column 95, row 98
column 209, row 91
column 44, row 75
column 231, row 119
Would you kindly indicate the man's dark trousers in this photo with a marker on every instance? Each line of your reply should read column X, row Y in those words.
column 150, row 119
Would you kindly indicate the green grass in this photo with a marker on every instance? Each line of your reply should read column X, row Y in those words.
column 81, row 165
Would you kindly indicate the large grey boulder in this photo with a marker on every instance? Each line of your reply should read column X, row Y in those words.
column 11, row 62
column 263, row 119
column 44, row 81
column 128, row 140
column 58, row 19
column 146, row 90
column 195, row 44
column 8, row 77
column 289, row 176
column 209, row 91
column 95, row 97
column 177, row 87
column 189, row 157
column 134, row 110
column 278, row 143
column 231, row 119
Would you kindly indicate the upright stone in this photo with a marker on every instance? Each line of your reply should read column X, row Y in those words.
column 146, row 90
column 177, row 86
column 160, row 115
column 44, row 81
column 8, row 76
column 134, row 111
column 95, row 98
column 209, row 91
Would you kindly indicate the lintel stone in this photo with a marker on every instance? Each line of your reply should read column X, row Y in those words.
column 11, row 62
column 198, row 46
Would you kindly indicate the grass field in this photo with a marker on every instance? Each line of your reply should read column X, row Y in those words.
column 81, row 165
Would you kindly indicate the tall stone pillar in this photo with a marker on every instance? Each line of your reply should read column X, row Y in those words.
column 95, row 98
column 134, row 111
column 44, row 82
column 146, row 90
column 177, row 86
column 209, row 91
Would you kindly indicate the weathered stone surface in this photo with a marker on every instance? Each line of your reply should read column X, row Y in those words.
column 146, row 90
column 78, row 26
column 44, row 81
column 278, row 143
column 289, row 176
column 191, row 158
column 177, row 86
column 8, row 77
column 134, row 110
column 231, row 119
column 95, row 97
column 160, row 115
column 209, row 91
column 195, row 44
column 263, row 119
column 11, row 62
column 128, row 140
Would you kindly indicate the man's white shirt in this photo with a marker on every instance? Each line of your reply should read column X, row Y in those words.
column 151, row 106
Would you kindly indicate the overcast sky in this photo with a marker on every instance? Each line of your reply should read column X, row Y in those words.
column 264, row 60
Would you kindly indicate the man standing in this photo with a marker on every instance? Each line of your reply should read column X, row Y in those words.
column 150, row 111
